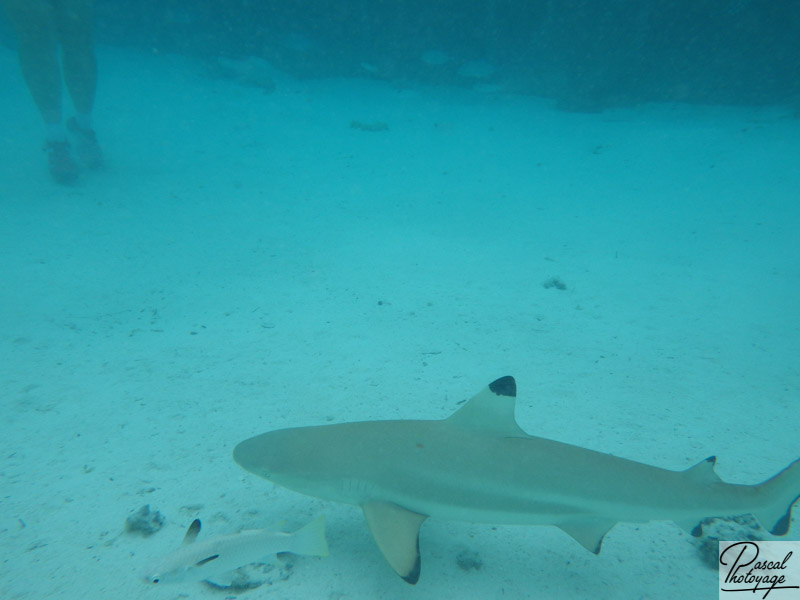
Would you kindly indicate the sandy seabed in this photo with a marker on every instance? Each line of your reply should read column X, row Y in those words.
column 249, row 260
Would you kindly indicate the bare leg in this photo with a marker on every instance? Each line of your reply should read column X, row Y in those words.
column 37, row 46
column 74, row 25
column 34, row 22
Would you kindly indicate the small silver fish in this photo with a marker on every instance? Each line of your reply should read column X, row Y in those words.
column 209, row 559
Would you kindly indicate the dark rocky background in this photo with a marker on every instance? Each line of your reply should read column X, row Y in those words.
column 586, row 54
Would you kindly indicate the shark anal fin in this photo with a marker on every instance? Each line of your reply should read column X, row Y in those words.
column 589, row 533
column 396, row 531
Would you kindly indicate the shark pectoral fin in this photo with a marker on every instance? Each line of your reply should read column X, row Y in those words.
column 396, row 531
column 589, row 533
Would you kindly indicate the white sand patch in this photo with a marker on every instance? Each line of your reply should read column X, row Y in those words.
column 249, row 261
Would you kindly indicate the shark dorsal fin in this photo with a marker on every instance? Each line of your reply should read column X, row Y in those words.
column 191, row 533
column 491, row 409
column 396, row 531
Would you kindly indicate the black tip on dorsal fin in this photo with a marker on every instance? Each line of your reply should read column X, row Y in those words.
column 505, row 386
column 192, row 532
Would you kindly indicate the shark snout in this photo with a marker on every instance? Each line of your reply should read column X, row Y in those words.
column 250, row 456
column 263, row 455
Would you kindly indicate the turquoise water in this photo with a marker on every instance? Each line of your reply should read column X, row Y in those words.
column 283, row 241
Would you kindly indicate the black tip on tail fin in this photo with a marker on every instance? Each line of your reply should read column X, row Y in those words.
column 781, row 494
column 781, row 527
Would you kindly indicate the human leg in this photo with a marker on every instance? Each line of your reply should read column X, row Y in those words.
column 37, row 48
column 37, row 43
column 74, row 26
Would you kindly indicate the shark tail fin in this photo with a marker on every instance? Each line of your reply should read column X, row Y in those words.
column 781, row 492
column 310, row 540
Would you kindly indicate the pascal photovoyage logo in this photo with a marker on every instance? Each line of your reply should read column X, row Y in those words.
column 768, row 569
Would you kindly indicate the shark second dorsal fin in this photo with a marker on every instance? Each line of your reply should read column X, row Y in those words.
column 491, row 409
column 396, row 531
column 191, row 533
column 703, row 472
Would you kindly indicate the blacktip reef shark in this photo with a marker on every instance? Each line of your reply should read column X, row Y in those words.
column 478, row 465
column 213, row 559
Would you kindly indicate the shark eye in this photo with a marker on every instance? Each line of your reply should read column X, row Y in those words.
column 155, row 579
